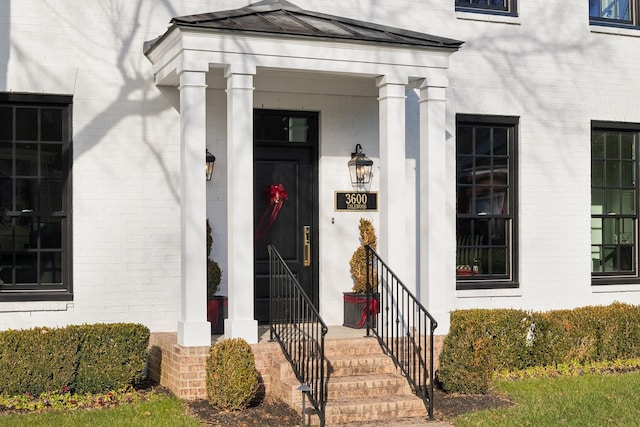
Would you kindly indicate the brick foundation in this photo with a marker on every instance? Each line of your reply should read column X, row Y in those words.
column 183, row 369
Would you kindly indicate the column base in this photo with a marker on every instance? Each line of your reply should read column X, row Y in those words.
column 245, row 329
column 194, row 334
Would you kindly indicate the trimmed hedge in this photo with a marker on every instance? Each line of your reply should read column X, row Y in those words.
column 482, row 342
column 84, row 359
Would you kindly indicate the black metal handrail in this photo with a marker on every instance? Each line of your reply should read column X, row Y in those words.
column 402, row 325
column 297, row 326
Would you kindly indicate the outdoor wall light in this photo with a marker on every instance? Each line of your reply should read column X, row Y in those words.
column 210, row 159
column 360, row 167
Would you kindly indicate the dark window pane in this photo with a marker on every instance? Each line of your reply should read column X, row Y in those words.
column 628, row 202
column 500, row 146
column 498, row 229
column 613, row 173
column 26, row 268
column 51, row 234
column 51, row 125
column 483, row 141
column 6, row 197
column 27, row 124
column 597, row 173
column 610, row 231
column 597, row 201
column 27, row 195
column 628, row 146
column 6, row 238
column 51, row 267
column 51, row 195
column 613, row 146
column 610, row 261
column 613, row 201
column 6, row 123
column 597, row 145
column 272, row 128
column 464, row 140
column 6, row 159
column 27, row 159
column 51, row 160
column 596, row 259
column 498, row 262
column 628, row 174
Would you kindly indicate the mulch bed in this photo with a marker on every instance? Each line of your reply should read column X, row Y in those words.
column 273, row 412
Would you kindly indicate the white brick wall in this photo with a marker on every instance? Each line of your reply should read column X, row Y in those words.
column 546, row 67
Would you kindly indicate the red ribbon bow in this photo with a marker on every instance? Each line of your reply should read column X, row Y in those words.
column 276, row 195
column 372, row 309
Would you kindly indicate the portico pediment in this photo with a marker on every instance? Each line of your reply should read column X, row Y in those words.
column 278, row 34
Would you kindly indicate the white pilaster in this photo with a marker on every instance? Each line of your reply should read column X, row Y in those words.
column 241, row 322
column 437, row 230
column 393, row 232
column 193, row 328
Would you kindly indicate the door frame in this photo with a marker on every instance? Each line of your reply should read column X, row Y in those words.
column 313, row 146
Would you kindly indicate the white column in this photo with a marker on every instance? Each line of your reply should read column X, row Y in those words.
column 241, row 322
column 393, row 232
column 437, row 229
column 193, row 328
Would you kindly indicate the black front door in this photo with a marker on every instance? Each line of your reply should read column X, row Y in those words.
column 285, row 153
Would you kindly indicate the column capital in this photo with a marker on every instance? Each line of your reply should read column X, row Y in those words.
column 233, row 69
column 191, row 61
column 192, row 78
column 390, row 79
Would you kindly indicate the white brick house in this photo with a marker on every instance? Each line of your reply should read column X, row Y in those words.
column 106, row 112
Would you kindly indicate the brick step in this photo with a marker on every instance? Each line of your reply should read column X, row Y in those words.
column 361, row 386
column 351, row 346
column 368, row 364
column 354, row 387
column 371, row 409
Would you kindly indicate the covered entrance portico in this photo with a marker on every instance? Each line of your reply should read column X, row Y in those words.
column 275, row 36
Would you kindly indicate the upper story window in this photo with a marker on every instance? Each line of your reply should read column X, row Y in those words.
column 614, row 203
column 486, row 220
column 502, row 7
column 622, row 13
column 35, row 197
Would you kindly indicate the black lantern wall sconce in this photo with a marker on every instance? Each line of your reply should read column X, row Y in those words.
column 360, row 167
column 210, row 159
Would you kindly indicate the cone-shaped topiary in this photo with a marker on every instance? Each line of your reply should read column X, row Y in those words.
column 232, row 379
column 358, row 261
column 214, row 273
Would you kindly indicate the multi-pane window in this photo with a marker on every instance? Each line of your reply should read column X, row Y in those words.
column 35, row 215
column 486, row 201
column 614, row 201
column 507, row 7
column 615, row 12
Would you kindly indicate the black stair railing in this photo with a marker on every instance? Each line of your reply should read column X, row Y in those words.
column 296, row 325
column 402, row 325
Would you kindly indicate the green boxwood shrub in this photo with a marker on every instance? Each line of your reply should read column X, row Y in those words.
column 87, row 358
column 232, row 379
column 483, row 342
column 112, row 356
column 37, row 360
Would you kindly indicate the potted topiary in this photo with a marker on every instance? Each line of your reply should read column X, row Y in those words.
column 355, row 302
column 216, row 304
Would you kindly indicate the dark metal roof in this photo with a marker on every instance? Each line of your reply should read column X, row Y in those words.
column 283, row 18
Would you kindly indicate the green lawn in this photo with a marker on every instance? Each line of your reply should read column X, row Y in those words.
column 157, row 412
column 589, row 400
